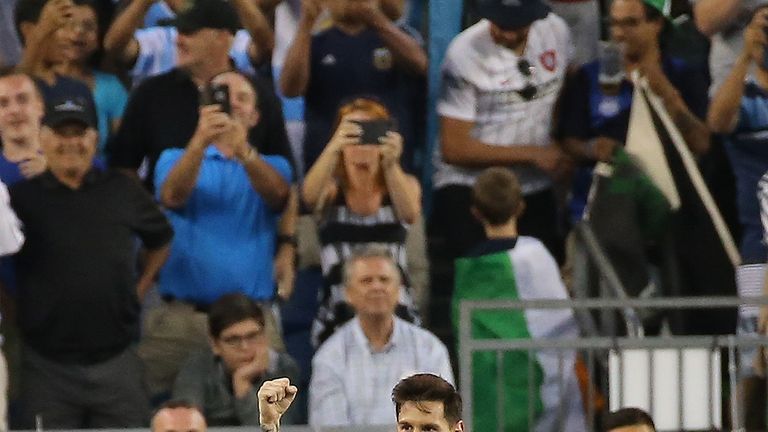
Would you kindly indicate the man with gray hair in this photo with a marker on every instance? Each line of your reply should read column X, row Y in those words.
column 354, row 369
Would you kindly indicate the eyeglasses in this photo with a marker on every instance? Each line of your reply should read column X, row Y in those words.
column 529, row 91
column 235, row 341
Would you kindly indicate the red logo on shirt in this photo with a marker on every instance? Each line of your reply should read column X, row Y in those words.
column 548, row 60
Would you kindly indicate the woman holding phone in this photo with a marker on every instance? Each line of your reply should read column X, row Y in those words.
column 362, row 195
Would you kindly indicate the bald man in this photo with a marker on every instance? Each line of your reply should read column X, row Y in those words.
column 178, row 416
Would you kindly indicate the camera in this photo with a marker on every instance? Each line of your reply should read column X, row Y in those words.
column 217, row 94
column 375, row 129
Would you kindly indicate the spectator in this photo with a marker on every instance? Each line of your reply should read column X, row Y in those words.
column 224, row 379
column 108, row 92
column 628, row 420
column 21, row 111
column 78, row 294
column 163, row 112
column 738, row 111
column 363, row 52
column 221, row 195
column 44, row 29
column 354, row 369
column 178, row 416
column 364, row 197
column 156, row 50
column 524, row 50
column 512, row 267
column 723, row 21
column 422, row 402
column 10, row 50
column 594, row 116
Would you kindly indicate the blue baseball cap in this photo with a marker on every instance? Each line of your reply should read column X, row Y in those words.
column 512, row 14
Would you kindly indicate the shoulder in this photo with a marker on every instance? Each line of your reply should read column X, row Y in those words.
column 423, row 337
column 530, row 246
column 331, row 351
column 470, row 41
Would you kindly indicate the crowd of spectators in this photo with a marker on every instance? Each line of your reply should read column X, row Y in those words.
column 175, row 173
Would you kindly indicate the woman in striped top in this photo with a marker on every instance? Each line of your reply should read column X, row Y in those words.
column 362, row 196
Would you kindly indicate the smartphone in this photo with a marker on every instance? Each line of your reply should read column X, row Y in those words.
column 374, row 129
column 217, row 94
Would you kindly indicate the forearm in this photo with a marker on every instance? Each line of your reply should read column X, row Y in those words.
column 693, row 129
column 257, row 25
column 403, row 193
column 154, row 260
column 287, row 226
column 404, row 48
column 319, row 177
column 183, row 176
column 712, row 16
column 124, row 26
column 476, row 154
column 266, row 181
column 577, row 148
column 32, row 58
column 725, row 105
column 295, row 74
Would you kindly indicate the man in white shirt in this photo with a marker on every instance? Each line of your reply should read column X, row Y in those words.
column 354, row 369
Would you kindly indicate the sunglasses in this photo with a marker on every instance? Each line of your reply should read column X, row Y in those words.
column 526, row 70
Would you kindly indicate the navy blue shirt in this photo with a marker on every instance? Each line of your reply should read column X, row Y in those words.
column 344, row 66
column 586, row 112
column 747, row 149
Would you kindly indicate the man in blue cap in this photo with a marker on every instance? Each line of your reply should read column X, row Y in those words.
column 501, row 78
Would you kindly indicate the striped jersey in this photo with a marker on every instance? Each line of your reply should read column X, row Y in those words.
column 509, row 98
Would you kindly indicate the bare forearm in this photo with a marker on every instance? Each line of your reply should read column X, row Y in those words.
column 290, row 214
column 295, row 74
column 404, row 48
column 725, row 105
column 266, row 181
column 32, row 58
column 183, row 176
column 122, row 29
column 712, row 16
column 403, row 193
column 694, row 131
column 257, row 25
column 154, row 260
column 319, row 177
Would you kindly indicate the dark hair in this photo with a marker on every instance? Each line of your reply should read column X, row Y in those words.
column 231, row 309
column 497, row 196
column 627, row 417
column 428, row 388
column 174, row 404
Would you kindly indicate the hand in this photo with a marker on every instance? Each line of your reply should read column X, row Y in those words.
column 603, row 148
column 242, row 377
column 310, row 10
column 213, row 123
column 348, row 133
column 285, row 271
column 274, row 399
column 237, row 138
column 33, row 166
column 56, row 14
column 391, row 149
column 367, row 11
column 549, row 159
column 755, row 38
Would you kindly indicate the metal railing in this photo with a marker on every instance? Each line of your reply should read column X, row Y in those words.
column 594, row 349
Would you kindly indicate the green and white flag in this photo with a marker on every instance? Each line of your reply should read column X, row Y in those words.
column 530, row 384
column 664, row 6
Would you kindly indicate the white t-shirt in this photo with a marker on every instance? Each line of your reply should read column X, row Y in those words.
column 11, row 237
column 482, row 83
column 157, row 52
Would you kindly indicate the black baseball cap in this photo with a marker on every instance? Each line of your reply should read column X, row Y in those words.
column 200, row 14
column 67, row 110
column 512, row 14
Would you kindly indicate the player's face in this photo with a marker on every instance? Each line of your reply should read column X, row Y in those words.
column 512, row 39
column 426, row 416
column 21, row 108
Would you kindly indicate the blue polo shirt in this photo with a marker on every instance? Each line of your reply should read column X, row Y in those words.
column 586, row 112
column 225, row 234
column 747, row 149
